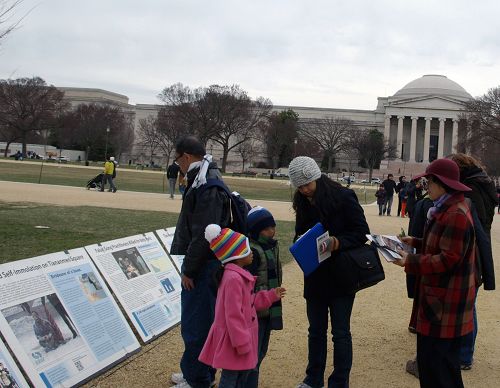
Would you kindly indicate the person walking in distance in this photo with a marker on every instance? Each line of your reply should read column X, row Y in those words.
column 390, row 188
column 109, row 170
column 172, row 174
column 201, row 206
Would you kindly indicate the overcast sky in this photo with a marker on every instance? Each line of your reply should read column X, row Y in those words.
column 332, row 54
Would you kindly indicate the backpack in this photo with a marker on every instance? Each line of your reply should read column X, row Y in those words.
column 239, row 206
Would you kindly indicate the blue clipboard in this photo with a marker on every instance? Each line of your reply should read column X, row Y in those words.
column 305, row 250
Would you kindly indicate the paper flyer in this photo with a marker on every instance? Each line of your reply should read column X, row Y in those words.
column 166, row 236
column 144, row 280
column 60, row 319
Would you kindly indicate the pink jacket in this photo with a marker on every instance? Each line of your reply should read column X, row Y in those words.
column 232, row 341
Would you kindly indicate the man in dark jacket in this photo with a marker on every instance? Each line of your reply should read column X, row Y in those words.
column 172, row 174
column 390, row 188
column 199, row 209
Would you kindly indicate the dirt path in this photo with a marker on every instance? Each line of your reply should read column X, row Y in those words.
column 382, row 343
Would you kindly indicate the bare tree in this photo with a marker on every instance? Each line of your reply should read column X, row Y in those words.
column 28, row 105
column 331, row 134
column 168, row 131
column 148, row 135
column 246, row 150
column 239, row 119
column 371, row 148
column 7, row 25
column 91, row 122
column 279, row 134
column 9, row 135
column 196, row 111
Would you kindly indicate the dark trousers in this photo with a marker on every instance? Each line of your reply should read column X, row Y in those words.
column 388, row 205
column 233, row 378
column 197, row 315
column 339, row 308
column 107, row 178
column 264, row 335
column 399, row 205
column 439, row 362
column 469, row 341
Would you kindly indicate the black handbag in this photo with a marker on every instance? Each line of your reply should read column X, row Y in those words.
column 358, row 268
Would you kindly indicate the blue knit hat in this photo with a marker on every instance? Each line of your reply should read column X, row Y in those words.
column 258, row 219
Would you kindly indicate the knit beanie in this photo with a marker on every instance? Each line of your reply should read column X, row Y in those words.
column 258, row 219
column 227, row 244
column 303, row 170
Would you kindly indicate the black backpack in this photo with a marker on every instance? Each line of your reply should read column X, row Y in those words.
column 239, row 206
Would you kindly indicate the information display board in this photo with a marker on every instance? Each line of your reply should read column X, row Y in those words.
column 60, row 319
column 166, row 236
column 10, row 375
column 143, row 279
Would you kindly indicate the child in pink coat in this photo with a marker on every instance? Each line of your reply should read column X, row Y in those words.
column 233, row 338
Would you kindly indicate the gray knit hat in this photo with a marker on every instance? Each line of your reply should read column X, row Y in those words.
column 303, row 170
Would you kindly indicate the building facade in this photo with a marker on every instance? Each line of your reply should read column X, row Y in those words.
column 420, row 120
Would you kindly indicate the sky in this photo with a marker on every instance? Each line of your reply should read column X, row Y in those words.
column 330, row 54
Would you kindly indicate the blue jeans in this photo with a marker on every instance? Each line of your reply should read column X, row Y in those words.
column 388, row 205
column 264, row 335
column 468, row 341
column 197, row 315
column 233, row 378
column 107, row 178
column 339, row 308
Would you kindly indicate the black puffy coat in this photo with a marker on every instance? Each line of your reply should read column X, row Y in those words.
column 346, row 221
column 483, row 194
column 210, row 206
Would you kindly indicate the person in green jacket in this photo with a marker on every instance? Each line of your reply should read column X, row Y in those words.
column 267, row 267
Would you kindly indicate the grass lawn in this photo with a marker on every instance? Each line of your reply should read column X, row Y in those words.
column 74, row 227
column 151, row 181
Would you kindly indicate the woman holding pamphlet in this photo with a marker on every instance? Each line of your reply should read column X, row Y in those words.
column 446, row 277
column 319, row 199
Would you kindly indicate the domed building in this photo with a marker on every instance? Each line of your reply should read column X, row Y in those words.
column 420, row 119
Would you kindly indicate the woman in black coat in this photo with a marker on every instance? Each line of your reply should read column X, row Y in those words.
column 319, row 199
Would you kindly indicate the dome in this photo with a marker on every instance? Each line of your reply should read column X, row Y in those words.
column 433, row 84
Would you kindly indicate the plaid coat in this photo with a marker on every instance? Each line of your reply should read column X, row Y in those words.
column 446, row 286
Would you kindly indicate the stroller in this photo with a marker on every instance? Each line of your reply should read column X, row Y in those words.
column 96, row 182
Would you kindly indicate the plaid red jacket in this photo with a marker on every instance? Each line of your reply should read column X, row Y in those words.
column 446, row 272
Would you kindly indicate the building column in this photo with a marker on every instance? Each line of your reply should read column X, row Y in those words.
column 454, row 136
column 441, row 138
column 399, row 141
column 413, row 139
column 427, row 139
column 387, row 129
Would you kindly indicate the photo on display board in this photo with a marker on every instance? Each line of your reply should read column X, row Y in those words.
column 43, row 328
column 7, row 380
column 91, row 286
column 131, row 262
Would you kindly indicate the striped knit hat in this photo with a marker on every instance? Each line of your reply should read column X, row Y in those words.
column 227, row 244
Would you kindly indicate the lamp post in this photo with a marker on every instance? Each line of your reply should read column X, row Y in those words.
column 106, row 149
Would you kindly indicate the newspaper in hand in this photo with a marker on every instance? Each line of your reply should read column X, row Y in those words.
column 389, row 246
column 322, row 245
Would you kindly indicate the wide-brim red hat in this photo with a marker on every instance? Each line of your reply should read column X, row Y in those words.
column 447, row 171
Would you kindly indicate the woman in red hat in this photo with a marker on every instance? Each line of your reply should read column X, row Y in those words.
column 445, row 269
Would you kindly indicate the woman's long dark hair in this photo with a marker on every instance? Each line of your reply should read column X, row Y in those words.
column 326, row 200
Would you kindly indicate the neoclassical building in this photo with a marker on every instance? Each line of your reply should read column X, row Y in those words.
column 420, row 119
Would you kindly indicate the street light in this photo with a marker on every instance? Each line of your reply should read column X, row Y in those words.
column 106, row 149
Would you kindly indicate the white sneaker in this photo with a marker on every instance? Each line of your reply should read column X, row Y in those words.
column 304, row 385
column 177, row 378
column 184, row 384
